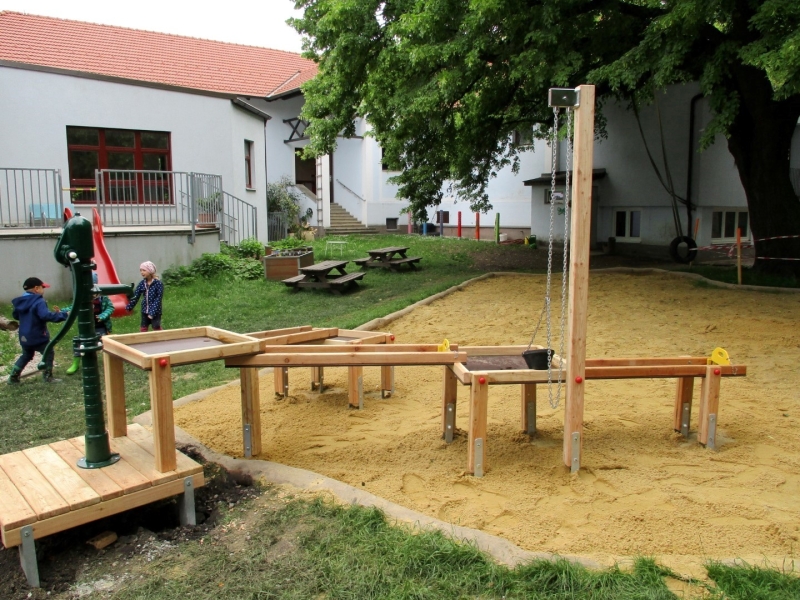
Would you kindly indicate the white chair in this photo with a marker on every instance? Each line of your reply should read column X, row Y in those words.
column 332, row 245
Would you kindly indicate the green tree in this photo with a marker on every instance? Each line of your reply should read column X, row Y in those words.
column 444, row 83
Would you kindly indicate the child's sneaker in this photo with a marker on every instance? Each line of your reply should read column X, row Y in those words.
column 13, row 377
column 47, row 377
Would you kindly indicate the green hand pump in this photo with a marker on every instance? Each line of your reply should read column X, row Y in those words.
column 75, row 249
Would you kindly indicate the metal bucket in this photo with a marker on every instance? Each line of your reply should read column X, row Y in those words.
column 537, row 359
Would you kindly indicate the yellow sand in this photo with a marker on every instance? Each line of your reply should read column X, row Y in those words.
column 642, row 490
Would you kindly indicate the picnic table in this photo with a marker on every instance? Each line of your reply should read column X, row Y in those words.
column 329, row 274
column 389, row 258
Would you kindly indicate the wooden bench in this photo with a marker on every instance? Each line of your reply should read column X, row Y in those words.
column 410, row 261
column 361, row 261
column 292, row 281
column 345, row 281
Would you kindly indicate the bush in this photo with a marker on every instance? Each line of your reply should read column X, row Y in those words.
column 225, row 265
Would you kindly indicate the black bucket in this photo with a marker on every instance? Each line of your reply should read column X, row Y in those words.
column 537, row 359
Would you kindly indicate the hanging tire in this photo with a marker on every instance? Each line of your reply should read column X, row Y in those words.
column 683, row 249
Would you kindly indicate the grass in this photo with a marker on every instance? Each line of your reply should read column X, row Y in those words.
column 336, row 552
column 316, row 549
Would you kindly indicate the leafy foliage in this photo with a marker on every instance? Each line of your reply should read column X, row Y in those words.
column 236, row 264
column 282, row 196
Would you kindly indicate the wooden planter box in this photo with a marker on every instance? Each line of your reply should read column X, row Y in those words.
column 282, row 267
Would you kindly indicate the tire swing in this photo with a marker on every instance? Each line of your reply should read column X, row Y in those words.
column 683, row 249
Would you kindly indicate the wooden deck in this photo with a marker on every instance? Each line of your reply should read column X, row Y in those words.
column 44, row 488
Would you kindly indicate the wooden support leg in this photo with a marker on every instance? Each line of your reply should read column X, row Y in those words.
column 683, row 405
column 478, row 409
column 355, row 386
column 317, row 375
column 529, row 408
column 281, row 376
column 449, row 398
column 251, row 411
column 114, row 371
column 387, row 381
column 709, row 407
column 161, row 407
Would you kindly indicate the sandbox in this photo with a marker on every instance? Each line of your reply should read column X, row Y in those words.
column 642, row 488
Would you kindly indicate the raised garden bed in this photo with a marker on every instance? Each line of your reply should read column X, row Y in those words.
column 279, row 266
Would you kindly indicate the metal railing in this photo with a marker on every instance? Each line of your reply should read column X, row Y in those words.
column 237, row 220
column 30, row 198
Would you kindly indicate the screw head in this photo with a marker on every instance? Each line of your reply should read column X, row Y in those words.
column 481, row 380
column 579, row 379
column 163, row 362
column 391, row 337
column 717, row 371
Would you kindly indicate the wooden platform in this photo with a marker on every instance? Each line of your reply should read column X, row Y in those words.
column 44, row 488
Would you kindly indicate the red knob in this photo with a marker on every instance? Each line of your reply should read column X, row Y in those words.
column 481, row 380
column 391, row 337
column 163, row 362
column 579, row 379
column 717, row 371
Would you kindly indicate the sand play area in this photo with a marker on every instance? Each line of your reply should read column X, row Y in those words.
column 642, row 490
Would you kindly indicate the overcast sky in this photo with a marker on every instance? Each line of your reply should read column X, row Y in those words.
column 254, row 22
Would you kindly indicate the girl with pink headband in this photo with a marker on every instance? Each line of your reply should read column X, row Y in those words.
column 151, row 290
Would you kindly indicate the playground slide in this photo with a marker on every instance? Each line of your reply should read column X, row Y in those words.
column 106, row 272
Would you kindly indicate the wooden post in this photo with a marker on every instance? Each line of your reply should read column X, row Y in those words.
column 580, row 233
column 528, row 408
column 476, row 439
column 281, row 377
column 251, row 411
column 161, row 407
column 449, row 398
column 709, row 407
column 317, row 375
column 114, row 371
column 387, row 375
column 477, row 226
column 355, row 386
column 683, row 405
column 739, row 254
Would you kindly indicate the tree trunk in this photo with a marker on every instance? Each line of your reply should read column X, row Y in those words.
column 760, row 142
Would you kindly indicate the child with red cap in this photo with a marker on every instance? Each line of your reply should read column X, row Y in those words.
column 31, row 311
column 151, row 290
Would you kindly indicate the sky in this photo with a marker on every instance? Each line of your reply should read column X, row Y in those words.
column 251, row 22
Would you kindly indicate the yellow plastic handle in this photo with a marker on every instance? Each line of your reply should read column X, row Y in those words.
column 719, row 357
column 444, row 346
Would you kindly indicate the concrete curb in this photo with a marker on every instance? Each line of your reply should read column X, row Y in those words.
column 696, row 277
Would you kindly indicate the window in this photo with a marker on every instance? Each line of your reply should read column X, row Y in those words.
column 725, row 223
column 522, row 138
column 249, row 174
column 92, row 148
column 627, row 224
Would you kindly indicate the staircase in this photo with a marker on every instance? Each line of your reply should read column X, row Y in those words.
column 343, row 223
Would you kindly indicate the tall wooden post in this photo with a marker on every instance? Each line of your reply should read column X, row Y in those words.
column 580, row 233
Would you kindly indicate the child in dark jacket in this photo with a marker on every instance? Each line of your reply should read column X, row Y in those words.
column 103, row 308
column 31, row 311
column 151, row 290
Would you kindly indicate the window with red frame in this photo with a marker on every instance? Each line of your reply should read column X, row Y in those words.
column 115, row 150
column 249, row 181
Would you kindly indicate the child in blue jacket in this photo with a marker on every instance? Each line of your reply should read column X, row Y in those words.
column 31, row 311
column 151, row 290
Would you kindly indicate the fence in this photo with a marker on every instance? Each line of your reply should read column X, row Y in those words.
column 30, row 198
column 277, row 226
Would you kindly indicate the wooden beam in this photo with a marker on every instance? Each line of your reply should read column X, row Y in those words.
column 251, row 410
column 580, row 234
column 114, row 371
column 476, row 435
column 278, row 332
column 351, row 347
column 683, row 404
column 126, row 353
column 310, row 358
column 449, row 400
column 654, row 371
column 355, row 387
column 161, row 407
column 528, row 400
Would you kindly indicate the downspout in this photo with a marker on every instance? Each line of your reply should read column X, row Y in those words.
column 266, row 180
column 690, row 167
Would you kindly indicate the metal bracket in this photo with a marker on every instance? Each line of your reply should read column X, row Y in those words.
column 576, row 453
column 248, row 440
column 449, row 422
column 564, row 97
column 27, row 556
column 712, row 432
column 389, row 392
column 686, row 414
column 478, row 457
column 531, row 414
column 285, row 382
column 186, row 503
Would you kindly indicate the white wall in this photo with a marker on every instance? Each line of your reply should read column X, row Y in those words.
column 207, row 133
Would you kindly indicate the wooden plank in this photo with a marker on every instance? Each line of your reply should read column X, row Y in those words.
column 333, row 348
column 355, row 386
column 683, row 395
column 301, row 337
column 101, row 510
column 365, row 335
column 709, row 401
column 14, row 510
column 141, row 460
column 58, row 473
column 461, row 373
column 580, row 234
column 478, row 409
column 640, row 362
column 196, row 355
column 126, row 353
column 653, row 371
column 496, row 350
column 122, row 473
column 114, row 371
column 528, row 412
column 40, row 495
column 161, row 410
column 144, row 439
column 99, row 481
column 345, row 359
column 260, row 335
column 162, row 335
column 229, row 337
column 251, row 407
column 449, row 399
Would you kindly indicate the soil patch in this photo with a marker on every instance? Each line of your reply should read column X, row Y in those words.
column 643, row 489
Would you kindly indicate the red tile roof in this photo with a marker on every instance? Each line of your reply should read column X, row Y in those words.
column 151, row 57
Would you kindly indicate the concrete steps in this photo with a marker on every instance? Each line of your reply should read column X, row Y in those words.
column 343, row 223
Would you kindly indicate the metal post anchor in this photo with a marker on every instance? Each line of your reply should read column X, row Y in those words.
column 186, row 503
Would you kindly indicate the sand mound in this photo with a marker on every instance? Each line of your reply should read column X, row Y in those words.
column 642, row 489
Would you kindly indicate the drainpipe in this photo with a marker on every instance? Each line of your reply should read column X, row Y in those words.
column 266, row 180
column 690, row 167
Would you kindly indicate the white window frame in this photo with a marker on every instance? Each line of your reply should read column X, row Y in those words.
column 626, row 238
column 723, row 239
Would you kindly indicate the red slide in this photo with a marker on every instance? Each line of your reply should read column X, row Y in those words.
column 106, row 271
